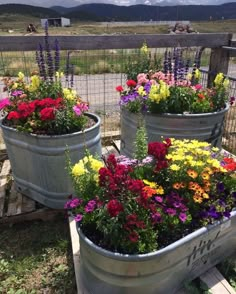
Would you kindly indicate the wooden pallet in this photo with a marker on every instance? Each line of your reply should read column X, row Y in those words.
column 16, row 207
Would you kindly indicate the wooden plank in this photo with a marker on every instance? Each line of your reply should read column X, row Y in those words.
column 6, row 167
column 219, row 62
column 14, row 202
column 28, row 204
column 216, row 282
column 2, row 201
column 3, row 182
column 44, row 214
column 92, row 42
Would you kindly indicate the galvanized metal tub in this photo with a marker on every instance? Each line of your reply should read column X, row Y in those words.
column 38, row 162
column 159, row 272
column 204, row 127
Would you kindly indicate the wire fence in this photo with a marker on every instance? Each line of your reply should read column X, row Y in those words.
column 96, row 73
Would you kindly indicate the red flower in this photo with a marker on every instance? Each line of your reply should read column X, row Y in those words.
column 114, row 207
column 13, row 115
column 158, row 149
column 26, row 109
column 133, row 236
column 46, row 102
column 119, row 89
column 131, row 83
column 47, row 113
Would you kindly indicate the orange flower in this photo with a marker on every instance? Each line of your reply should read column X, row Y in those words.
column 193, row 186
column 201, row 96
column 205, row 176
column 192, row 173
column 149, row 191
column 177, row 186
column 208, row 170
column 197, row 198
column 183, row 185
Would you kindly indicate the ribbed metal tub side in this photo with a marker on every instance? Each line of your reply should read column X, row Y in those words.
column 39, row 162
column 203, row 127
column 159, row 272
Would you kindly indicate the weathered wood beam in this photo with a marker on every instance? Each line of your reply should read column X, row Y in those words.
column 30, row 43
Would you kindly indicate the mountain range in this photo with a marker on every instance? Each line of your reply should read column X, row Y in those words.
column 110, row 12
column 73, row 3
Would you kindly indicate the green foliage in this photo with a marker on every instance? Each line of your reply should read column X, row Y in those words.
column 142, row 62
column 140, row 144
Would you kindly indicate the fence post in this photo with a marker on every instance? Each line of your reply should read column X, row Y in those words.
column 219, row 62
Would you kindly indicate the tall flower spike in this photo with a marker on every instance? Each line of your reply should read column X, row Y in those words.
column 57, row 56
column 165, row 63
column 49, row 60
column 67, row 67
column 169, row 62
column 72, row 76
column 41, row 63
column 176, row 62
column 180, row 66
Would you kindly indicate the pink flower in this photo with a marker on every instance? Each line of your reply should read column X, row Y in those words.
column 142, row 78
column 80, row 108
column 4, row 102
column 198, row 87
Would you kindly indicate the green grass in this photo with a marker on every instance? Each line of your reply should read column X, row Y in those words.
column 36, row 257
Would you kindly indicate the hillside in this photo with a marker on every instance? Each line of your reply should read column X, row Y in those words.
column 109, row 12
column 21, row 9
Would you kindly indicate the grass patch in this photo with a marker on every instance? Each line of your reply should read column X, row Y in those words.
column 36, row 257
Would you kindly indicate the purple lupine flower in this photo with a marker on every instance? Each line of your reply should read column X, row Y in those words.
column 169, row 62
column 57, row 55
column 72, row 76
column 41, row 62
column 165, row 67
column 183, row 217
column 90, row 206
column 78, row 217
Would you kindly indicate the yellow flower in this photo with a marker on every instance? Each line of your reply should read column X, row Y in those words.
column 141, row 91
column 59, row 74
column 69, row 94
column 35, row 82
column 78, row 169
column 15, row 86
column 175, row 167
column 96, row 164
column 226, row 83
column 150, row 184
column 21, row 75
column 197, row 74
column 219, row 79
column 144, row 48
column 160, row 190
